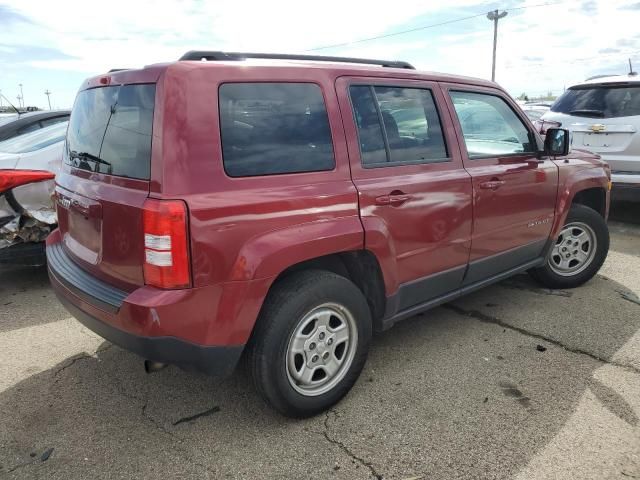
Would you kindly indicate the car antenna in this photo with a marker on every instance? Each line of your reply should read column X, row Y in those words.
column 631, row 72
column 9, row 102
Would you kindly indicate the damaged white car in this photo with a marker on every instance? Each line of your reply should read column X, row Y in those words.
column 28, row 165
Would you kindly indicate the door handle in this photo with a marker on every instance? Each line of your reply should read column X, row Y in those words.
column 492, row 184
column 392, row 199
column 398, row 199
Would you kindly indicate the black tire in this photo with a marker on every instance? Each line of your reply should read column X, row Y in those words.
column 289, row 301
column 585, row 215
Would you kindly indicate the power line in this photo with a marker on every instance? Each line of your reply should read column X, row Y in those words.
column 579, row 60
column 378, row 37
column 424, row 27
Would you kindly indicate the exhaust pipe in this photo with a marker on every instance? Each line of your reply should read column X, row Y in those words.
column 151, row 366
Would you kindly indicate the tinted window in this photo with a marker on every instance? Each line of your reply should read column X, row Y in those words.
column 489, row 125
column 599, row 102
column 115, row 125
column 412, row 128
column 372, row 148
column 271, row 128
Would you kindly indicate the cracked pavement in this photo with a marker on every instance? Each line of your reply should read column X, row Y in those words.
column 513, row 381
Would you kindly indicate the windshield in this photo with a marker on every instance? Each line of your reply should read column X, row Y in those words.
column 600, row 101
column 36, row 140
column 110, row 130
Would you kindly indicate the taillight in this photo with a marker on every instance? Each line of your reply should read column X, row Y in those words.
column 14, row 178
column 547, row 124
column 166, row 244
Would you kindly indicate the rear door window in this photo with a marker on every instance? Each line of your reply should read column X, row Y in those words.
column 274, row 128
column 110, row 130
column 599, row 101
column 490, row 127
column 412, row 132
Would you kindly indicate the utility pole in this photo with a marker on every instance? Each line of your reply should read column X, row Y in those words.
column 495, row 15
column 19, row 97
column 0, row 98
column 47, row 92
column 21, row 94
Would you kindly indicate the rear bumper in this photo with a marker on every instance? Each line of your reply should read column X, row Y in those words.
column 212, row 360
column 625, row 178
column 24, row 254
column 137, row 321
column 626, row 187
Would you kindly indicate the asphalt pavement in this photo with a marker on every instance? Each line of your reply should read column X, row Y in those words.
column 514, row 381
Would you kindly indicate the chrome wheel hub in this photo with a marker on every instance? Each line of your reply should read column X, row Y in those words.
column 321, row 349
column 574, row 250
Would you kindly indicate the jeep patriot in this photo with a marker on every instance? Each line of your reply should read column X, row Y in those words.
column 282, row 208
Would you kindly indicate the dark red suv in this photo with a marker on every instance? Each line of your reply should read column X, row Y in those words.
column 285, row 207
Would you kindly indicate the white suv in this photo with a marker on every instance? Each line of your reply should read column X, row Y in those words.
column 604, row 116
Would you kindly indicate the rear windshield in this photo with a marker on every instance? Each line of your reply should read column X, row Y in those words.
column 110, row 131
column 599, row 102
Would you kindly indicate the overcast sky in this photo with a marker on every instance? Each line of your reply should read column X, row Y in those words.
column 55, row 45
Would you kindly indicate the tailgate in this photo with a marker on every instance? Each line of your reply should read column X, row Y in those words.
column 603, row 137
column 104, row 183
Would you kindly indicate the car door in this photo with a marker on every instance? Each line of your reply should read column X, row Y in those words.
column 514, row 188
column 414, row 194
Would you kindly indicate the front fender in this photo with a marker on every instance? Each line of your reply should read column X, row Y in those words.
column 574, row 182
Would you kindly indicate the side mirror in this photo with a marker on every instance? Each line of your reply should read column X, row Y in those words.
column 557, row 143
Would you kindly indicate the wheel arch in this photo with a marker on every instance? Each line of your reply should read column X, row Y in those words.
column 359, row 266
column 587, row 187
column 594, row 198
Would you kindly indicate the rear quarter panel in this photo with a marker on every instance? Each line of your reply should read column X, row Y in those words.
column 252, row 227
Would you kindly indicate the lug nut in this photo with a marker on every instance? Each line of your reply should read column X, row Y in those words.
column 325, row 355
column 321, row 336
column 330, row 341
column 312, row 346
column 314, row 359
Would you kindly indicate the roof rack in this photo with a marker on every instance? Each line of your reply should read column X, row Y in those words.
column 202, row 55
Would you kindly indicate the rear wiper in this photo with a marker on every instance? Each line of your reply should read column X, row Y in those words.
column 89, row 156
column 588, row 113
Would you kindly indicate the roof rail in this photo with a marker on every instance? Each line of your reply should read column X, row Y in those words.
column 213, row 56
